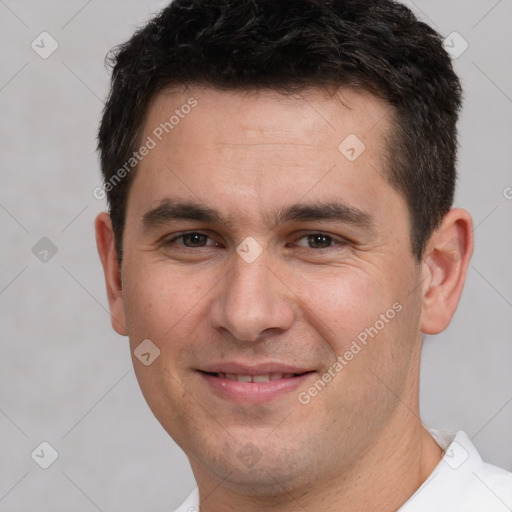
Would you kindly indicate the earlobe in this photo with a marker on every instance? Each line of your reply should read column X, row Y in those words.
column 445, row 263
column 105, row 243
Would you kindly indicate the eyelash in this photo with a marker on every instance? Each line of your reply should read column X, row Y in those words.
column 335, row 240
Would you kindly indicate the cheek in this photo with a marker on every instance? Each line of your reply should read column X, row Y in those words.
column 163, row 305
column 343, row 302
column 370, row 322
column 158, row 299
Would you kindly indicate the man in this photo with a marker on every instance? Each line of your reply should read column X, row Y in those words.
column 280, row 178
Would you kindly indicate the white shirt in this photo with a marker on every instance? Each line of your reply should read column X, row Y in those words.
column 461, row 482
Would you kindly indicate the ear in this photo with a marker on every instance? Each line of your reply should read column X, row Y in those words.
column 105, row 243
column 444, row 267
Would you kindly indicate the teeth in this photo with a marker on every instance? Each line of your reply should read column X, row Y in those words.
column 261, row 378
column 255, row 378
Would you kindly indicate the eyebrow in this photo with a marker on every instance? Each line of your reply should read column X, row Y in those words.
column 333, row 211
column 169, row 210
column 329, row 211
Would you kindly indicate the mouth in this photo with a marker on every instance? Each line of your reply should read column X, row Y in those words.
column 253, row 386
column 265, row 377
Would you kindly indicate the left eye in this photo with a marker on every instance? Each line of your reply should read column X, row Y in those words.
column 318, row 241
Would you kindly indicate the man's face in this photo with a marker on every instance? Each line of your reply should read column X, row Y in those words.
column 298, row 296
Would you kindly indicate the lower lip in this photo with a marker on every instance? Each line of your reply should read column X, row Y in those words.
column 254, row 392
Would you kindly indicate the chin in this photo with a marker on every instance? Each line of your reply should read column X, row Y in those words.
column 258, row 468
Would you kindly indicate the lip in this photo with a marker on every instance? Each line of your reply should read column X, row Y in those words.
column 253, row 392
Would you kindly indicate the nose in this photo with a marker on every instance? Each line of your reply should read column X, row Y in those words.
column 252, row 301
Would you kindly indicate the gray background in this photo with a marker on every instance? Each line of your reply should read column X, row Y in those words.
column 66, row 377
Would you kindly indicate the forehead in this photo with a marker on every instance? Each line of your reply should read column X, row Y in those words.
column 244, row 150
column 314, row 117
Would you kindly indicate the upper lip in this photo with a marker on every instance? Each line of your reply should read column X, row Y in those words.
column 253, row 369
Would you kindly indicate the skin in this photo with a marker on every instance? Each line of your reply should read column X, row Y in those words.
column 247, row 156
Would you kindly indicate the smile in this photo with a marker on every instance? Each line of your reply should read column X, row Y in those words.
column 253, row 388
